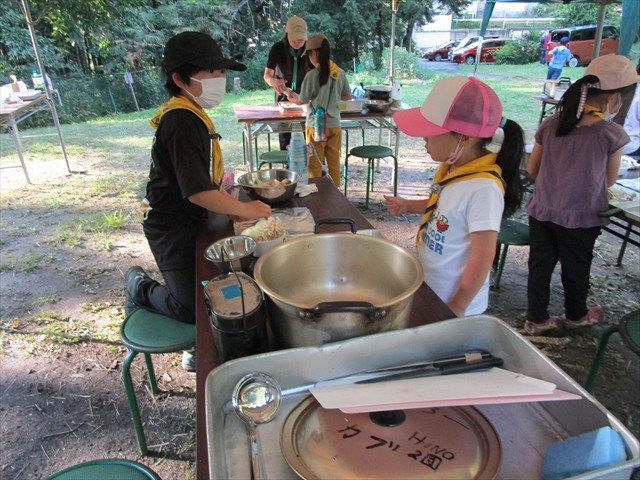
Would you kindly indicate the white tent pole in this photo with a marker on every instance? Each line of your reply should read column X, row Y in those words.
column 52, row 107
column 598, row 40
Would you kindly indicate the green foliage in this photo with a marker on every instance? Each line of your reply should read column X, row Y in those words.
column 116, row 220
column 576, row 14
column 405, row 66
column 521, row 51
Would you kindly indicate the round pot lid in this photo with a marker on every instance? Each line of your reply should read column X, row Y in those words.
column 435, row 443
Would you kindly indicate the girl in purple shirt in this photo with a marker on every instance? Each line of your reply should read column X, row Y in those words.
column 576, row 157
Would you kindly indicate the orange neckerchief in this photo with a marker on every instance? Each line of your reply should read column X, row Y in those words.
column 593, row 111
column 217, row 161
column 483, row 167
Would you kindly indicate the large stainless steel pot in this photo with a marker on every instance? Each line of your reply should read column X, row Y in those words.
column 330, row 287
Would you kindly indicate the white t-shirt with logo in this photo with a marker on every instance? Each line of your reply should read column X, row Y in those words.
column 468, row 206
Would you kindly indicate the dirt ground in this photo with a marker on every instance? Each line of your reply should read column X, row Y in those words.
column 62, row 399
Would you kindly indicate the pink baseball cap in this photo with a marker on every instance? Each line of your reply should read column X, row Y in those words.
column 456, row 104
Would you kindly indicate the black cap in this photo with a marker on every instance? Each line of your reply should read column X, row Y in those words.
column 197, row 49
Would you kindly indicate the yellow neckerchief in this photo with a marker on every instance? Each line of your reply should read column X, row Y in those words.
column 593, row 111
column 483, row 167
column 217, row 161
column 334, row 71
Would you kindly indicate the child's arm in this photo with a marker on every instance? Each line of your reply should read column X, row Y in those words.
column 483, row 251
column 613, row 165
column 533, row 165
column 400, row 206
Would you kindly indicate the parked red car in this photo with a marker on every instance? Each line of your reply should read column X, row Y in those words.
column 441, row 52
column 489, row 45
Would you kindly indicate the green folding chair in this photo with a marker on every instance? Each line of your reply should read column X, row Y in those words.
column 106, row 469
column 511, row 232
column 150, row 333
column 629, row 330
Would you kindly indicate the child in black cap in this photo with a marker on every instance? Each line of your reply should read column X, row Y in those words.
column 181, row 189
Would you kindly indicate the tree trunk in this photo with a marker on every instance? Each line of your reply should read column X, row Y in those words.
column 407, row 38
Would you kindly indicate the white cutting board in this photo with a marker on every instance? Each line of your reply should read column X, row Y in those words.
column 474, row 388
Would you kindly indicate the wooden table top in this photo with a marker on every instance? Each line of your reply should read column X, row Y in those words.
column 266, row 113
column 329, row 202
column 15, row 109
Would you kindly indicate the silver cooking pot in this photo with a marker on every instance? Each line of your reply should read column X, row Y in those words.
column 329, row 287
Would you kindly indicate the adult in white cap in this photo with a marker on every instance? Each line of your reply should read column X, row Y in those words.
column 185, row 178
column 477, row 184
column 576, row 156
column 286, row 67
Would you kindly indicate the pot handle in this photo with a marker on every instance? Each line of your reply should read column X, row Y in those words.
column 335, row 221
column 367, row 308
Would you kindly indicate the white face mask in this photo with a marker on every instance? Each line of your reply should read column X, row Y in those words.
column 455, row 155
column 608, row 116
column 212, row 91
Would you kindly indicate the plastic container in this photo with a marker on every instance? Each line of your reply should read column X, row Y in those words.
column 396, row 95
column 298, row 157
column 320, row 125
column 38, row 80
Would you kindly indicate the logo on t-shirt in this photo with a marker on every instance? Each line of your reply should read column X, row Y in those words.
column 434, row 237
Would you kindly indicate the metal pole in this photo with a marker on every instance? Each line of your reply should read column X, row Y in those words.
column 52, row 107
column 478, row 52
column 598, row 40
column 394, row 9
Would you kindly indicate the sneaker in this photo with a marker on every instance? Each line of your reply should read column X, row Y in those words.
column 535, row 329
column 133, row 277
column 593, row 317
column 189, row 360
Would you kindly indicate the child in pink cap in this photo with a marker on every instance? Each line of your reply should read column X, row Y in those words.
column 477, row 184
column 576, row 157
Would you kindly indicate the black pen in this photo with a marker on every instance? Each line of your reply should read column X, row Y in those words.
column 430, row 370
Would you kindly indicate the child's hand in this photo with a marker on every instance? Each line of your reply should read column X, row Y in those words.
column 396, row 205
column 257, row 209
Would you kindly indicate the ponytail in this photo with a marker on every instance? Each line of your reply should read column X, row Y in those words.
column 324, row 59
column 509, row 160
column 569, row 105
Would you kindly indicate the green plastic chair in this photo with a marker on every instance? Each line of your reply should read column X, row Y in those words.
column 629, row 330
column 371, row 153
column 107, row 469
column 150, row 333
column 274, row 156
column 511, row 233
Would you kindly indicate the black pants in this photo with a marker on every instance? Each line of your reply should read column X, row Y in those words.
column 574, row 248
column 175, row 299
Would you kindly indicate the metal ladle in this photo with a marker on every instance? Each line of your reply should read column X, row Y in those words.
column 256, row 400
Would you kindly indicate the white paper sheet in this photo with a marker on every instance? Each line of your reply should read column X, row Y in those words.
column 474, row 388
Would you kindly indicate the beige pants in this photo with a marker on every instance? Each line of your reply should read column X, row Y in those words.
column 329, row 153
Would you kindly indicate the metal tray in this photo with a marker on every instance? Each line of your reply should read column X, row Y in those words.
column 525, row 429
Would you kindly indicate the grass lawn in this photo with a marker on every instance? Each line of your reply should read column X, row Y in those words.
column 128, row 136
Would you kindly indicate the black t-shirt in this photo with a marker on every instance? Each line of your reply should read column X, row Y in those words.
column 180, row 167
column 281, row 61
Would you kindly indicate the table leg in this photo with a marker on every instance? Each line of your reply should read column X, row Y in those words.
column 15, row 134
column 396, row 149
column 627, row 234
column 542, row 110
column 248, row 145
